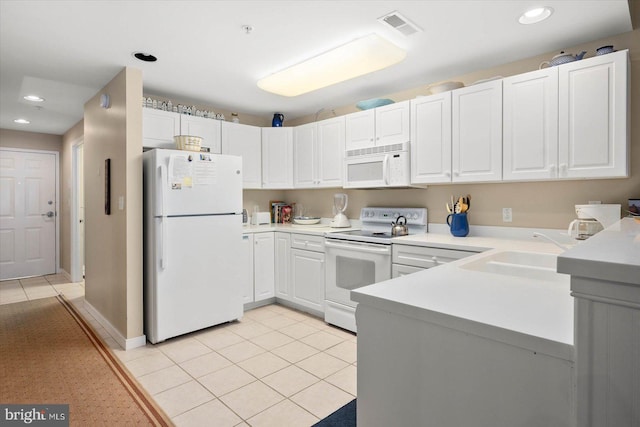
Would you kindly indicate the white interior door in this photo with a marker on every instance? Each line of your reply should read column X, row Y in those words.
column 27, row 214
column 77, row 216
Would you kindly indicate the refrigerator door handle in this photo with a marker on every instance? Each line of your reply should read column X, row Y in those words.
column 163, row 252
column 163, row 217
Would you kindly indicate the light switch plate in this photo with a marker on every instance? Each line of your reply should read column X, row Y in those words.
column 507, row 215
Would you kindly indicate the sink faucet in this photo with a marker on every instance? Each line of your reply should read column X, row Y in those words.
column 555, row 242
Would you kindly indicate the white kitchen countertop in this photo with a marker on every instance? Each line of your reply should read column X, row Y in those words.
column 529, row 313
column 319, row 229
column 611, row 255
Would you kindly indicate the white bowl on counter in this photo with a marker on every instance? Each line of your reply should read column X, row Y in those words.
column 306, row 220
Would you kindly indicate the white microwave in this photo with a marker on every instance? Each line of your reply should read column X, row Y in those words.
column 378, row 167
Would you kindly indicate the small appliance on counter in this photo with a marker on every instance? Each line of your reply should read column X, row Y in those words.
column 340, row 201
column 593, row 219
column 259, row 218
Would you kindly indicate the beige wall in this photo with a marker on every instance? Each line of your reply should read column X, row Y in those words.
column 69, row 139
column 113, row 243
column 30, row 140
column 535, row 204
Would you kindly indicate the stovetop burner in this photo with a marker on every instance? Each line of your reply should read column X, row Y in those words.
column 376, row 224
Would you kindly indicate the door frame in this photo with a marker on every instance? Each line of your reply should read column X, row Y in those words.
column 75, row 267
column 56, row 155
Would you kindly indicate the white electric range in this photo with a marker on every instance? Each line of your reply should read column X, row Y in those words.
column 360, row 258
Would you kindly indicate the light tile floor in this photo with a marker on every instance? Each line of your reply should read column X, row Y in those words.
column 274, row 367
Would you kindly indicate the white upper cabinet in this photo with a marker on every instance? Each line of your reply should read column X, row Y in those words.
column 477, row 133
column 530, row 126
column 277, row 157
column 593, row 117
column 319, row 154
column 207, row 129
column 330, row 152
column 431, row 139
column 159, row 127
column 379, row 126
column 245, row 141
column 305, row 141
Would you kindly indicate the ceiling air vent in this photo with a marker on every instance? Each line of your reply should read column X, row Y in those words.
column 400, row 23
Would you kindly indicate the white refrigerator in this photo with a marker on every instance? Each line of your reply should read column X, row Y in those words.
column 192, row 241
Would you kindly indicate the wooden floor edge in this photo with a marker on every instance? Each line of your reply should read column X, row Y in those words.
column 146, row 403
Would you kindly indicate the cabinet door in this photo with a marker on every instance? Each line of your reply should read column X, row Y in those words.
column 159, row 127
column 530, row 127
column 593, row 111
column 277, row 158
column 283, row 265
column 477, row 133
column 246, row 272
column 360, row 130
column 330, row 152
column 263, row 266
column 392, row 123
column 307, row 276
column 399, row 270
column 304, row 159
column 245, row 141
column 431, row 139
column 208, row 129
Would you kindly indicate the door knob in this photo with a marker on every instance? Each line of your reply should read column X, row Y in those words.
column 48, row 214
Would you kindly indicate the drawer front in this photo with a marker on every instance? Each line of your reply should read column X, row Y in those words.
column 307, row 242
column 425, row 257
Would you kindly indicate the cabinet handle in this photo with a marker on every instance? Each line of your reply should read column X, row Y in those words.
column 447, row 173
column 434, row 259
column 456, row 173
column 552, row 169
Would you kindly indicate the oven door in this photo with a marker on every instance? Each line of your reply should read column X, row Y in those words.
column 351, row 265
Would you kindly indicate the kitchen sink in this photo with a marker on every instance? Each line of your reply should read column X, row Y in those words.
column 531, row 265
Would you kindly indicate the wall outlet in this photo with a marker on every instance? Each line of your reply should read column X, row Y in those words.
column 507, row 215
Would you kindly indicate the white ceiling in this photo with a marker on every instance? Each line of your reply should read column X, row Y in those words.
column 66, row 51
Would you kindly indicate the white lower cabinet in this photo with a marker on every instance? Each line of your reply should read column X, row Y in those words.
column 306, row 272
column 257, row 277
column 407, row 259
column 283, row 265
column 246, row 275
column 263, row 266
column 307, row 275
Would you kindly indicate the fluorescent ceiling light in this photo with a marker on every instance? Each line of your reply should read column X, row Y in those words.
column 22, row 121
column 533, row 16
column 34, row 98
column 356, row 58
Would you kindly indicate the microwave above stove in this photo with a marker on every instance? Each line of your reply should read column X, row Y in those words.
column 378, row 167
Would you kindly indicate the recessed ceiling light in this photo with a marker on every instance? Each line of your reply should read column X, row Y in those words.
column 146, row 57
column 22, row 121
column 533, row 16
column 34, row 98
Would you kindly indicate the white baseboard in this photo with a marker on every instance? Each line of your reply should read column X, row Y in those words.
column 125, row 343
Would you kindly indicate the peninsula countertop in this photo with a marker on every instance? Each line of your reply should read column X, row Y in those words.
column 530, row 313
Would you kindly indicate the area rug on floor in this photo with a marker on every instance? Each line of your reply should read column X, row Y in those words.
column 343, row 417
column 50, row 355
